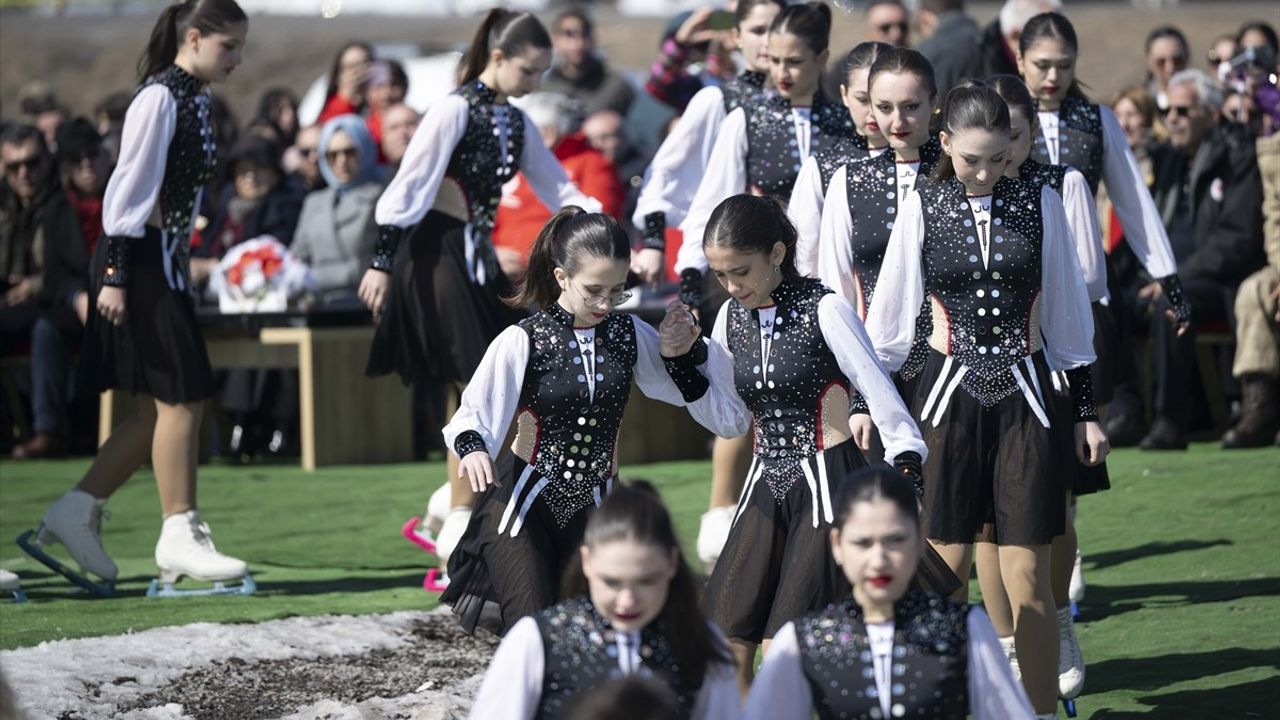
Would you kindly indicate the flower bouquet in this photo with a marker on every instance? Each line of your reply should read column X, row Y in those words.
column 260, row 275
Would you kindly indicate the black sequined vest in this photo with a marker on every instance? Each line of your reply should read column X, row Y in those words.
column 987, row 318
column 478, row 164
column 566, row 435
column 1079, row 140
column 1038, row 173
column 928, row 668
column 786, row 393
column 839, row 153
column 774, row 157
column 581, row 653
column 746, row 85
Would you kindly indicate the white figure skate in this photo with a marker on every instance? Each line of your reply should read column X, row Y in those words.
column 425, row 533
column 186, row 549
column 75, row 521
column 1070, row 662
column 713, row 532
column 11, row 584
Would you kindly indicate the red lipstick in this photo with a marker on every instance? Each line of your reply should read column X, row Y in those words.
column 880, row 581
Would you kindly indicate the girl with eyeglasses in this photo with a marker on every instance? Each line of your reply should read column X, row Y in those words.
column 434, row 284
column 563, row 377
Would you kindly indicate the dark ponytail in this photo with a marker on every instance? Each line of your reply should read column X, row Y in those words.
column 1015, row 94
column 506, row 30
column 904, row 61
column 207, row 16
column 809, row 21
column 1054, row 26
column 863, row 55
column 568, row 238
column 971, row 105
column 634, row 511
column 751, row 224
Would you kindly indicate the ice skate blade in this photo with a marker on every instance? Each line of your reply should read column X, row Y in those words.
column 167, row 590
column 423, row 540
column 32, row 546
column 1075, row 611
column 435, row 581
column 1069, row 706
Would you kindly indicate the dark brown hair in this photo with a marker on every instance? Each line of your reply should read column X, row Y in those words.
column 863, row 55
column 634, row 511
column 904, row 61
column 751, row 224
column 745, row 7
column 871, row 484
column 809, row 21
column 207, row 16
column 971, row 105
column 1015, row 94
column 1055, row 26
column 506, row 30
column 569, row 237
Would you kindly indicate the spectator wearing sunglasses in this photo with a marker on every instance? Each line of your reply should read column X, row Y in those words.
column 1167, row 53
column 302, row 161
column 888, row 22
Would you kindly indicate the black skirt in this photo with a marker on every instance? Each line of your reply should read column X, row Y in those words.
column 438, row 322
column 776, row 564
column 159, row 350
column 996, row 465
column 496, row 578
column 1106, row 343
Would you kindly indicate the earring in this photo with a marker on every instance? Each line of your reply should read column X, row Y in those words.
column 777, row 270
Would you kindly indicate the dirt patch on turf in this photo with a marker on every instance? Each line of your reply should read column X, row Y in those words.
column 437, row 656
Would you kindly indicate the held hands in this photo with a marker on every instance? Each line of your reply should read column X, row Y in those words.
column 1092, row 445
column 1151, row 293
column 373, row 291
column 648, row 265
column 477, row 468
column 678, row 331
column 861, row 426
column 111, row 304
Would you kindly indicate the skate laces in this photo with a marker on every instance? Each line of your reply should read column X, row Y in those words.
column 1070, row 646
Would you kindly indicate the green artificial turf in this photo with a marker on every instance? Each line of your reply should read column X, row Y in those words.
column 1182, row 560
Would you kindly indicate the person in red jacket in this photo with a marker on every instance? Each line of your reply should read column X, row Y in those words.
column 348, row 82
column 520, row 214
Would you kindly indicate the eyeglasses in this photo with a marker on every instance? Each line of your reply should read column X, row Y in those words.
column 333, row 155
column 612, row 301
column 31, row 164
column 1182, row 111
column 884, row 28
column 307, row 152
column 1175, row 60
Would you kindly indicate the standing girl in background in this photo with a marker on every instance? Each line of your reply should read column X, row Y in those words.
column 438, row 297
column 144, row 339
column 994, row 257
column 563, row 377
column 888, row 647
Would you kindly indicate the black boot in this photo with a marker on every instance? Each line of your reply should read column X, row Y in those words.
column 1165, row 435
column 1258, row 419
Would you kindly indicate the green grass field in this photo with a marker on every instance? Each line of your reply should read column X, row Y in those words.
column 1182, row 559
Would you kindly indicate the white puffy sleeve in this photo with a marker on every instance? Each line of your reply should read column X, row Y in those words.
column 725, row 176
column 856, row 356
column 490, row 399
column 1143, row 228
column 719, row 698
column 719, row 410
column 134, row 186
column 673, row 175
column 780, row 689
column 805, row 212
column 1082, row 216
column 891, row 321
column 546, row 175
column 512, row 686
column 994, row 693
column 835, row 243
column 1066, row 320
column 412, row 191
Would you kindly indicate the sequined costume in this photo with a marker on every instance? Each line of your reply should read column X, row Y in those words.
column 167, row 155
column 1008, row 304
column 446, row 299
column 937, row 659
column 565, row 389
column 550, row 660
column 809, row 194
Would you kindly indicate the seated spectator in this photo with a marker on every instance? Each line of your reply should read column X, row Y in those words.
column 388, row 85
column 1220, row 54
column 41, row 107
column 606, row 132
column 252, row 201
column 687, row 42
column 1216, row 235
column 520, row 214
column 1000, row 37
column 888, row 21
column 579, row 72
column 336, row 234
column 1257, row 306
column 302, row 161
column 951, row 41
column 84, row 168
column 1167, row 54
column 1239, row 108
column 398, row 125
column 108, row 119
column 279, row 106
column 43, row 274
column 348, row 82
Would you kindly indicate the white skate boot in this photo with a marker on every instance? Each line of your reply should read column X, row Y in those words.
column 1076, row 592
column 1011, row 654
column 713, row 532
column 451, row 530
column 75, row 521
column 186, row 549
column 1070, row 661
column 11, row 584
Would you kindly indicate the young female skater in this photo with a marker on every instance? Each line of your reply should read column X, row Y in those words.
column 799, row 352
column 889, row 647
column 631, row 610
column 144, row 339
column 438, row 295
column 674, row 173
column 805, row 208
column 563, row 376
column 760, row 149
column 994, row 257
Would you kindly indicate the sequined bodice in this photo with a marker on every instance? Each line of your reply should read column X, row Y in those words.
column 568, row 423
column 745, row 85
column 927, row 670
column 838, row 154
column 774, row 155
column 581, row 652
column 479, row 164
column 1079, row 140
column 1038, row 173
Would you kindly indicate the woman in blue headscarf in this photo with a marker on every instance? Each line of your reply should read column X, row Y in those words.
column 336, row 234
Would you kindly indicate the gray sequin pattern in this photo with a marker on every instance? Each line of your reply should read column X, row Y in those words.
column 1079, row 140
column 747, row 84
column 774, row 157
